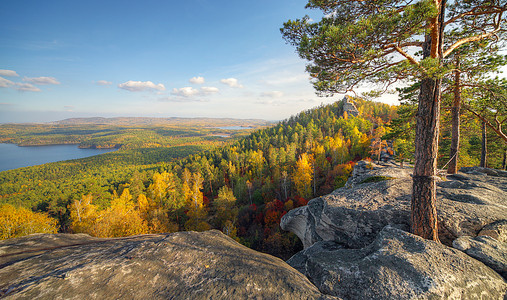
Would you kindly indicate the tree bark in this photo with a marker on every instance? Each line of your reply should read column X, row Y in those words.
column 423, row 205
column 455, row 115
column 484, row 148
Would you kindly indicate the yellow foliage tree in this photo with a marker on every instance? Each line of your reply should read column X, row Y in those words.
column 16, row 222
column 225, row 205
column 230, row 230
column 83, row 214
column 303, row 175
column 121, row 219
column 196, row 211
column 377, row 144
column 156, row 217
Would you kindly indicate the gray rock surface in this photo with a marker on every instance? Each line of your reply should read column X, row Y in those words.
column 353, row 215
column 481, row 170
column 398, row 265
column 349, row 106
column 183, row 265
column 496, row 230
column 486, row 249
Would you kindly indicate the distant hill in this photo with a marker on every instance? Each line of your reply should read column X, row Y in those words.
column 206, row 122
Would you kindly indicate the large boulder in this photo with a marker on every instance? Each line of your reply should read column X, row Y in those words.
column 183, row 265
column 496, row 230
column 486, row 249
column 398, row 265
column 380, row 195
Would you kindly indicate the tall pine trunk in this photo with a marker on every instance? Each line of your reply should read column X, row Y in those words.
column 455, row 115
column 484, row 148
column 423, row 205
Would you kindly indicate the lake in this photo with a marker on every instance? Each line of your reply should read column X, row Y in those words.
column 13, row 157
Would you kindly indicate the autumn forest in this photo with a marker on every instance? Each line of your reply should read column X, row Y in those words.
column 242, row 184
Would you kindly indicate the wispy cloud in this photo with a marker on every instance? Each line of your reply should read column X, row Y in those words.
column 197, row 80
column 8, row 73
column 272, row 94
column 208, row 90
column 232, row 82
column 41, row 80
column 26, row 87
column 5, row 83
column 22, row 87
column 68, row 108
column 103, row 82
column 139, row 86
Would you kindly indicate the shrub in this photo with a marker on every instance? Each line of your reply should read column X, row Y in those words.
column 16, row 222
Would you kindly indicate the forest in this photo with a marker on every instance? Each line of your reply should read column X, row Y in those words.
column 240, row 185
column 125, row 133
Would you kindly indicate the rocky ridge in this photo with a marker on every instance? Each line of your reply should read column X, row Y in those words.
column 349, row 106
column 357, row 247
column 183, row 265
column 379, row 195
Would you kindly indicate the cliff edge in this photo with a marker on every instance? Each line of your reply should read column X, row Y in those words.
column 182, row 265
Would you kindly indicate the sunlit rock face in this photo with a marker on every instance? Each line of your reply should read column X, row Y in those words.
column 398, row 265
column 380, row 195
column 349, row 106
column 183, row 265
column 357, row 244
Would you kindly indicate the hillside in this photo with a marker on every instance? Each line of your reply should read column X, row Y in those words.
column 243, row 187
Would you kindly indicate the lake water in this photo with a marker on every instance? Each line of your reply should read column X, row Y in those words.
column 13, row 157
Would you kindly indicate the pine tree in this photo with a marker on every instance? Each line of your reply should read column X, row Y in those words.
column 385, row 41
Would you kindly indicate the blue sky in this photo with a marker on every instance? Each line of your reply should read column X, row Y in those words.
column 193, row 58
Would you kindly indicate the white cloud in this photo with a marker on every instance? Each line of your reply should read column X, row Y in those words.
column 188, row 91
column 26, row 87
column 104, row 82
column 185, row 92
column 208, row 90
column 41, row 80
column 232, row 82
column 68, row 108
column 138, row 86
column 5, row 82
column 8, row 73
column 272, row 94
column 197, row 80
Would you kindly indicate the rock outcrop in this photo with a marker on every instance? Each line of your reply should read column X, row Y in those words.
column 183, row 265
column 376, row 196
column 357, row 247
column 398, row 265
column 349, row 106
column 486, row 249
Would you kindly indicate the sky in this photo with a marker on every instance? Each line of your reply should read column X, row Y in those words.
column 193, row 58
